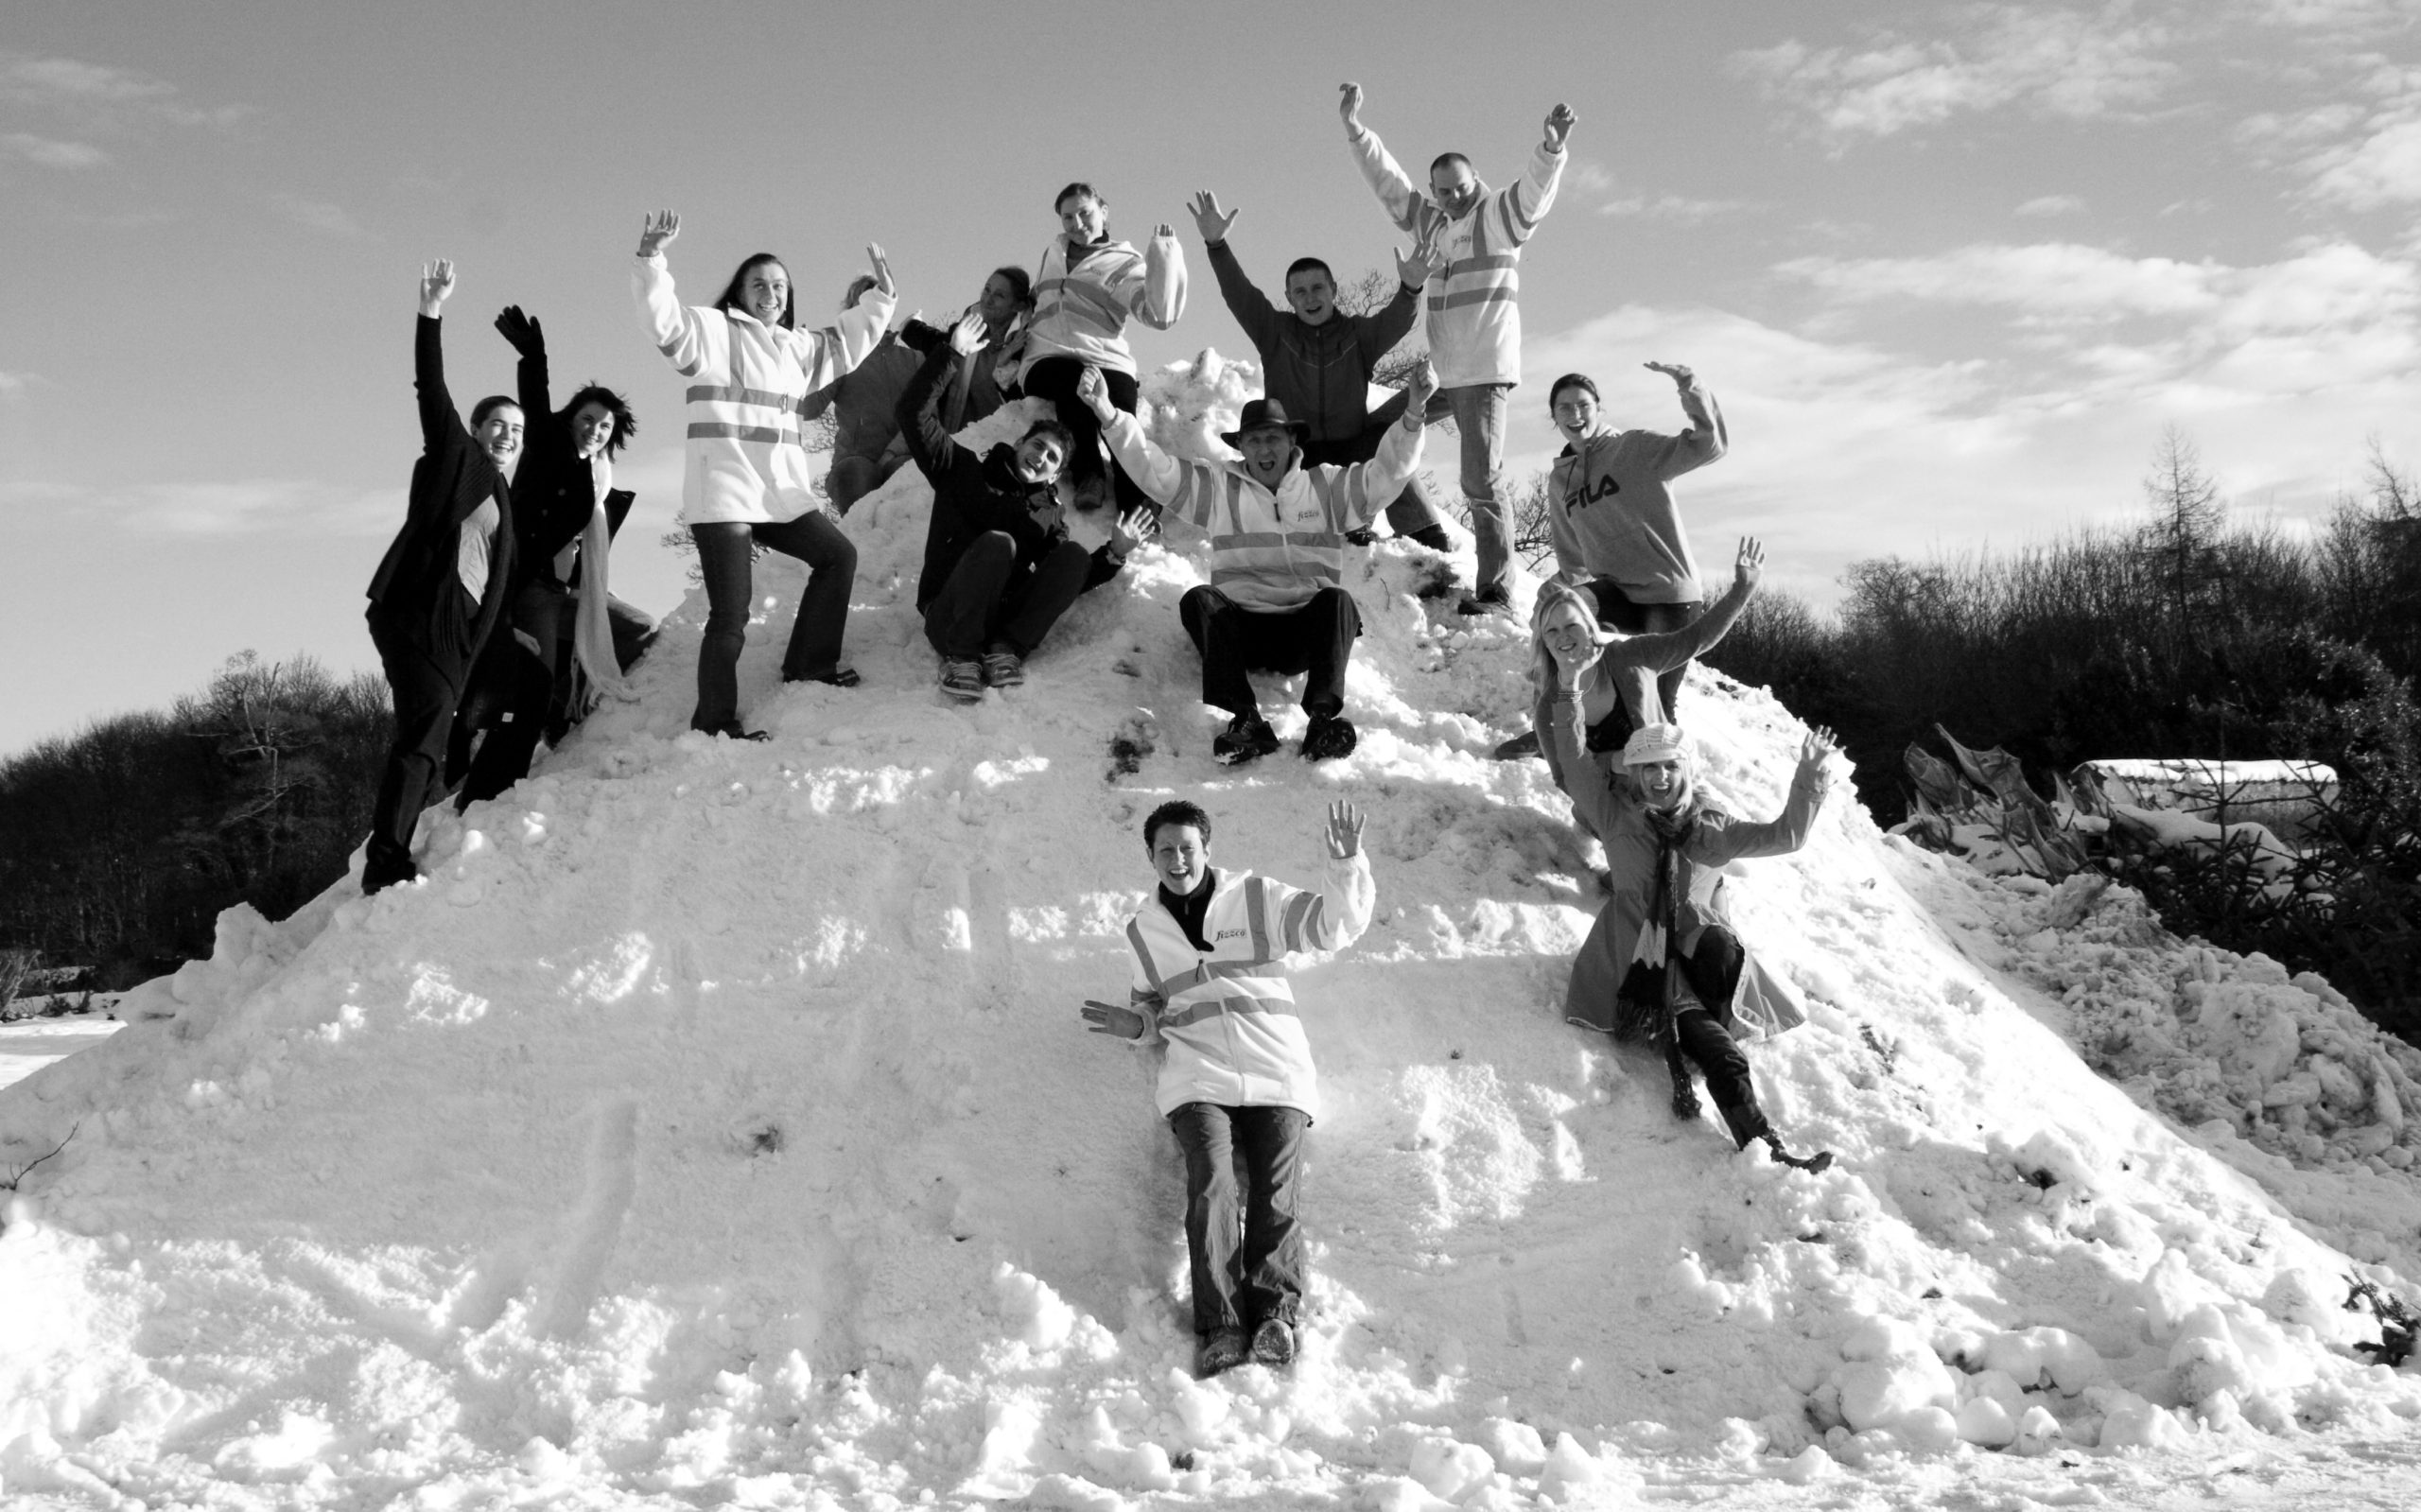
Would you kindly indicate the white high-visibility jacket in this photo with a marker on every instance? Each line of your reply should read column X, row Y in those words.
column 1475, row 323
column 1082, row 301
column 1269, row 548
column 747, row 381
column 1227, row 1019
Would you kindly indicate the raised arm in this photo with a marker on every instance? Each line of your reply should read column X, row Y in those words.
column 676, row 332
column 1405, row 203
column 1518, row 208
column 1161, row 299
column 529, row 375
column 1375, row 335
column 928, row 443
column 438, row 421
column 1252, row 309
column 1663, row 651
column 1371, row 486
column 1335, row 916
column 1171, row 482
column 1713, row 844
column 1705, row 441
column 865, row 315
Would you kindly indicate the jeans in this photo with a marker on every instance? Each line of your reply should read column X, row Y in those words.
column 1316, row 637
column 426, row 654
column 1411, row 512
column 987, row 599
column 1251, row 1265
column 724, row 553
column 853, row 477
column 1055, row 379
column 1478, row 409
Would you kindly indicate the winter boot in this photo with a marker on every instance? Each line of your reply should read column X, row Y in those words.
column 1821, row 1160
column 1003, row 666
column 1273, row 1344
column 1246, row 737
column 1493, row 600
column 962, row 679
column 1327, row 738
column 1220, row 1349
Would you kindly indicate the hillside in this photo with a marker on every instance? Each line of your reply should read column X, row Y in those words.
column 714, row 1126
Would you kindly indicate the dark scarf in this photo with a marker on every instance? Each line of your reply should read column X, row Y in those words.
column 1644, row 1002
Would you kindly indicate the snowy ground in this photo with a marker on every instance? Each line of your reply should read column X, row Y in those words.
column 714, row 1126
column 29, row 1044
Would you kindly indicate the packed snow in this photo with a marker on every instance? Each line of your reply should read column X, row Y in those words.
column 713, row 1125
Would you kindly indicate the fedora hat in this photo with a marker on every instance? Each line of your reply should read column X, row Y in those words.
column 1260, row 414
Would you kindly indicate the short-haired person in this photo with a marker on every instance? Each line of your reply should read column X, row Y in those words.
column 559, row 523
column 1663, row 963
column 1084, row 291
column 1210, row 985
column 999, row 568
column 744, row 480
column 1317, row 361
column 442, row 587
column 1617, row 674
column 1612, row 517
column 1276, row 600
column 1474, row 321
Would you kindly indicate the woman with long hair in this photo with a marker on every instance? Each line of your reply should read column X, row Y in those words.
column 1084, row 291
column 746, row 480
column 559, row 523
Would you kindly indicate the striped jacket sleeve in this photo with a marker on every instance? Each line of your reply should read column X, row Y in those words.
column 678, row 333
column 1405, row 206
column 1517, row 209
column 1380, row 482
column 1184, row 487
column 825, row 355
column 1330, row 920
column 1157, row 297
column 1143, row 993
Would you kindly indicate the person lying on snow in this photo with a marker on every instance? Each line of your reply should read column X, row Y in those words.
column 1210, row 985
column 1661, row 964
column 999, row 568
column 1276, row 600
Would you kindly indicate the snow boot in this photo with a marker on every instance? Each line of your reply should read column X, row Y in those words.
column 1329, row 737
column 1003, row 666
column 1220, row 1349
column 1246, row 737
column 1273, row 1344
column 735, row 731
column 1822, row 1160
column 1493, row 600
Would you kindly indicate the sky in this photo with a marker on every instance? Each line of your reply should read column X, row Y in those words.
column 1951, row 268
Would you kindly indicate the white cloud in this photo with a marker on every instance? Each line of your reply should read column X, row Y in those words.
column 2382, row 168
column 2052, row 204
column 2054, row 278
column 98, row 91
column 49, row 153
column 2069, row 64
column 13, row 384
column 243, row 506
column 320, row 215
column 1679, row 209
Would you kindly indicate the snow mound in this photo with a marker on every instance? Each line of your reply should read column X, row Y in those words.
column 713, row 1125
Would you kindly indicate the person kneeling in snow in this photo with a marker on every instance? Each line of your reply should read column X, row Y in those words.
column 999, row 569
column 1210, row 985
column 1661, row 964
column 1276, row 599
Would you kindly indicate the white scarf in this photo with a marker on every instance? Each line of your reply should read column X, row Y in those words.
column 592, row 638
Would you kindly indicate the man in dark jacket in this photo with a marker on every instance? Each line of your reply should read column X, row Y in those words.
column 1316, row 361
column 999, row 569
column 439, row 591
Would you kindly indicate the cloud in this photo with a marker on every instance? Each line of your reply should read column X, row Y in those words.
column 2062, row 62
column 248, row 506
column 15, row 384
column 1678, row 209
column 95, row 91
column 2056, row 278
column 320, row 215
column 46, row 152
column 2052, row 204
column 2382, row 168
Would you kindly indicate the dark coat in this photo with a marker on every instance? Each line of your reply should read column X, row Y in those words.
column 1763, row 1003
column 1321, row 373
column 452, row 479
column 975, row 494
column 554, row 490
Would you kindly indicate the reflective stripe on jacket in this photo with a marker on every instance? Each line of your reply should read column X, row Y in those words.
column 1269, row 550
column 1227, row 1019
column 1475, row 323
column 747, row 381
column 1080, row 309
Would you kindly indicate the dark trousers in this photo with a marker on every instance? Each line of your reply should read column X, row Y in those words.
column 1247, row 1257
column 1315, row 637
column 1412, row 511
column 987, row 599
column 1615, row 608
column 1055, row 379
column 632, row 630
column 853, row 477
column 1699, row 1037
column 724, row 557
column 425, row 651
column 507, row 696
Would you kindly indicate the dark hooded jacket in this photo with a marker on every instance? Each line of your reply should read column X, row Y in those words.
column 452, row 479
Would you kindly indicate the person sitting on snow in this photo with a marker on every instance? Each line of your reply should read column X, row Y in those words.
column 1209, row 984
column 1616, row 673
column 999, row 569
column 1276, row 600
column 1317, row 360
column 1661, row 964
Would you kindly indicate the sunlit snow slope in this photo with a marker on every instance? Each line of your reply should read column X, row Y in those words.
column 714, row 1124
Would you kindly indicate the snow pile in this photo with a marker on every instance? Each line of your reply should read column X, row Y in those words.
column 713, row 1126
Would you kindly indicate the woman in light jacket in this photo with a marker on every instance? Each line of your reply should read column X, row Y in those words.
column 1084, row 292
column 746, row 480
column 1663, row 963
